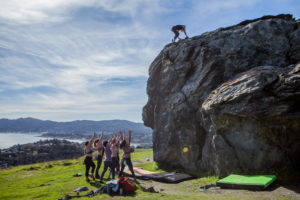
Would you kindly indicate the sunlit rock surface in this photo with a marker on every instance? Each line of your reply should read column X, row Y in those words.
column 231, row 96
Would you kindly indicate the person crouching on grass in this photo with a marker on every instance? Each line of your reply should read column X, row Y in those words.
column 125, row 145
column 88, row 161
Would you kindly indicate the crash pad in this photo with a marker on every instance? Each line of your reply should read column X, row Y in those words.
column 138, row 170
column 139, row 173
column 256, row 182
column 167, row 177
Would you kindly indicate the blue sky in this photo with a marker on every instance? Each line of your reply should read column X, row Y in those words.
column 67, row 60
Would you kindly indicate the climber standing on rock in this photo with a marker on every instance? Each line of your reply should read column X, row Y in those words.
column 176, row 30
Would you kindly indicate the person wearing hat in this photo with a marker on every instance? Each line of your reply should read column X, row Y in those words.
column 176, row 30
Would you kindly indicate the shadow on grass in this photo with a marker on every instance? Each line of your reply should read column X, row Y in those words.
column 193, row 173
column 96, row 184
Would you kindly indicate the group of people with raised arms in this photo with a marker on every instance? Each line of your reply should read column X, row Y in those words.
column 110, row 149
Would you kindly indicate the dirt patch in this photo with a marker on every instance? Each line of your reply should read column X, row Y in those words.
column 163, row 187
column 27, row 174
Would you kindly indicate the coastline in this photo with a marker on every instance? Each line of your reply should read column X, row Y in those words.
column 8, row 139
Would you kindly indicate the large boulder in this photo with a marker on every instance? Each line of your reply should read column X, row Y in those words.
column 229, row 97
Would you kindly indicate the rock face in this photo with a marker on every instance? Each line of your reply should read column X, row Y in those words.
column 230, row 97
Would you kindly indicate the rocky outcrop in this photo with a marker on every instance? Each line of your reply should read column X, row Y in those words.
column 229, row 98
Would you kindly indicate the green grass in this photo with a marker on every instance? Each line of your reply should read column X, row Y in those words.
column 53, row 180
column 151, row 166
column 24, row 182
column 141, row 153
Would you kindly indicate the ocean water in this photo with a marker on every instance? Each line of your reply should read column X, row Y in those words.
column 9, row 139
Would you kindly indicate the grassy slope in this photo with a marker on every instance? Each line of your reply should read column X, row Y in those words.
column 24, row 182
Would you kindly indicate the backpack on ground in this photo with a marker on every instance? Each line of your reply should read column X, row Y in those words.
column 112, row 186
column 126, row 185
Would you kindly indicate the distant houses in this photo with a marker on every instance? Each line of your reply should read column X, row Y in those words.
column 39, row 152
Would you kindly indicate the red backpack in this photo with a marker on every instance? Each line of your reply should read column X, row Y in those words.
column 127, row 186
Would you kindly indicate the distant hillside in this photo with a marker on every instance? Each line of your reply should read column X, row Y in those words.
column 40, row 151
column 26, row 125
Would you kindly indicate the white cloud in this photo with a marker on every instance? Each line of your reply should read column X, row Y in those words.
column 103, row 104
column 74, row 57
column 213, row 6
column 77, row 54
column 37, row 11
column 74, row 61
column 27, row 11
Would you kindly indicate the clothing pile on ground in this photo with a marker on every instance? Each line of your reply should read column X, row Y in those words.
column 122, row 186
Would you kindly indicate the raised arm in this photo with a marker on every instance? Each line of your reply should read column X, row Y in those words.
column 101, row 137
column 100, row 140
column 124, row 135
column 120, row 134
column 130, row 133
column 119, row 138
column 92, row 139
column 111, row 139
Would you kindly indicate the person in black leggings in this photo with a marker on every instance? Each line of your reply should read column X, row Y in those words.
column 88, row 161
column 176, row 29
column 98, row 145
column 126, row 160
column 115, row 153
